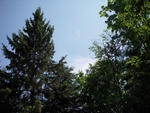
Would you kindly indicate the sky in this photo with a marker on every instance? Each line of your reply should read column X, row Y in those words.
column 77, row 24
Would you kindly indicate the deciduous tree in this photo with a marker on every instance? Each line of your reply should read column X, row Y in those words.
column 129, row 21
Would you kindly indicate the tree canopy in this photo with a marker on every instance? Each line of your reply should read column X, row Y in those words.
column 38, row 83
column 118, row 82
column 121, row 74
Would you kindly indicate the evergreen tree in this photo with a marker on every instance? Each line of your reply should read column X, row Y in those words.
column 38, row 82
column 5, row 90
column 61, row 92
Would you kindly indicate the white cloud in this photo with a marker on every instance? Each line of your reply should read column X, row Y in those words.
column 80, row 63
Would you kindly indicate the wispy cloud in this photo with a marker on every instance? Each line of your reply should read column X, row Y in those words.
column 78, row 34
column 80, row 63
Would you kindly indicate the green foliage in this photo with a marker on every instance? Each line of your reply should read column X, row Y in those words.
column 61, row 92
column 38, row 83
column 119, row 80
column 102, row 91
column 117, row 83
column 129, row 22
column 5, row 91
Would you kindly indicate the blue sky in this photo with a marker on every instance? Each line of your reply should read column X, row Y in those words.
column 77, row 24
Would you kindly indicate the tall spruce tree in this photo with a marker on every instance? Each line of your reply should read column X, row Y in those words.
column 35, row 77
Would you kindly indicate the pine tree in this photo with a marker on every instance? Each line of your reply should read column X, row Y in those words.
column 36, row 77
